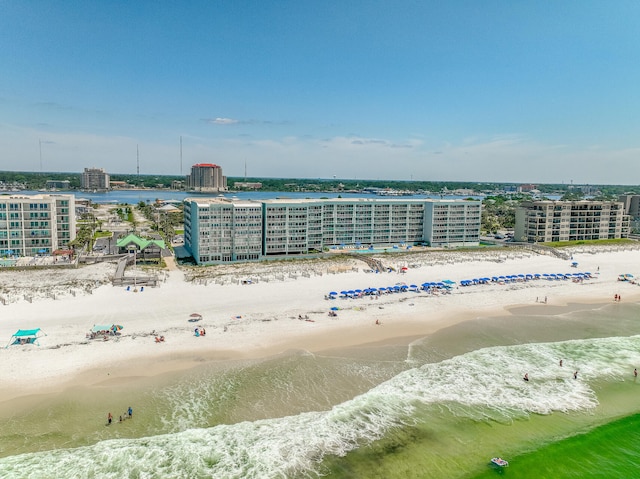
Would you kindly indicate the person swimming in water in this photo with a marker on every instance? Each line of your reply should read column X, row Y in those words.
column 526, row 376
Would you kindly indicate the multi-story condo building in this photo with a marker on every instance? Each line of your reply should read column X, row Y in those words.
column 95, row 179
column 632, row 208
column 218, row 230
column 39, row 224
column 58, row 185
column 452, row 223
column 548, row 221
column 206, row 177
column 631, row 205
column 303, row 226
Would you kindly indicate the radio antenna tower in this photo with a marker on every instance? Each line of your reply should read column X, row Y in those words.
column 137, row 161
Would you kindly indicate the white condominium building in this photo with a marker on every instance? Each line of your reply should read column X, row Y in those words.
column 217, row 230
column 39, row 224
column 306, row 226
column 549, row 221
column 452, row 223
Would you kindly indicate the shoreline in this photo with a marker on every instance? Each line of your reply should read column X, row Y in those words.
column 118, row 372
column 268, row 324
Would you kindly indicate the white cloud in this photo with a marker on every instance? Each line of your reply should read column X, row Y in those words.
column 221, row 121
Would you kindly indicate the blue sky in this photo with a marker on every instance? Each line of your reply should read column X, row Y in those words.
column 509, row 91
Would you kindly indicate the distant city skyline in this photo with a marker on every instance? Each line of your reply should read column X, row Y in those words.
column 516, row 92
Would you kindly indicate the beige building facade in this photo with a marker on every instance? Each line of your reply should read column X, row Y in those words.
column 551, row 221
column 95, row 179
column 206, row 177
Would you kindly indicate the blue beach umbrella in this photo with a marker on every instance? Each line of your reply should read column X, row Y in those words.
column 333, row 293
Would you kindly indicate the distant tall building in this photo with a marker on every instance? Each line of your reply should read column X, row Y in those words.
column 95, row 179
column 39, row 224
column 526, row 188
column 206, row 177
column 58, row 185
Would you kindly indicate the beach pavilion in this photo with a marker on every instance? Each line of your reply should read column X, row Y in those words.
column 143, row 248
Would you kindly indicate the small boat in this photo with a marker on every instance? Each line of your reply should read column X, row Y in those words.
column 498, row 461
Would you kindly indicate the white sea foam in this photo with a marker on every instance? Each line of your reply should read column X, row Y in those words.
column 486, row 381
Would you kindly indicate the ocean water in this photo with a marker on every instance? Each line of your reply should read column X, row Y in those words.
column 433, row 407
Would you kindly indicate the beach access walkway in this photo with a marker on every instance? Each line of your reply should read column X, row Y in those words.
column 374, row 264
column 119, row 279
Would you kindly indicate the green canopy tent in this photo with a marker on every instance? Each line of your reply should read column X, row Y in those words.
column 26, row 336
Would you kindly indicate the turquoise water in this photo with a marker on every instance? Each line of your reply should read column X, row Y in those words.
column 609, row 451
column 440, row 407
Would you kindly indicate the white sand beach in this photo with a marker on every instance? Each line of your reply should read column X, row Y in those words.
column 256, row 312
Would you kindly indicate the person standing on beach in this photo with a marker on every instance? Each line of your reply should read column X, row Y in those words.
column 109, row 418
column 130, row 412
column 635, row 373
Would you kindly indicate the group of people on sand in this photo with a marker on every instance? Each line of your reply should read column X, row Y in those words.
column 159, row 339
column 617, row 298
column 199, row 332
column 127, row 415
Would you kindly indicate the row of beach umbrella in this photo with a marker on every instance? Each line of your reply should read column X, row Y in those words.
column 448, row 284
column 512, row 278
column 398, row 288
